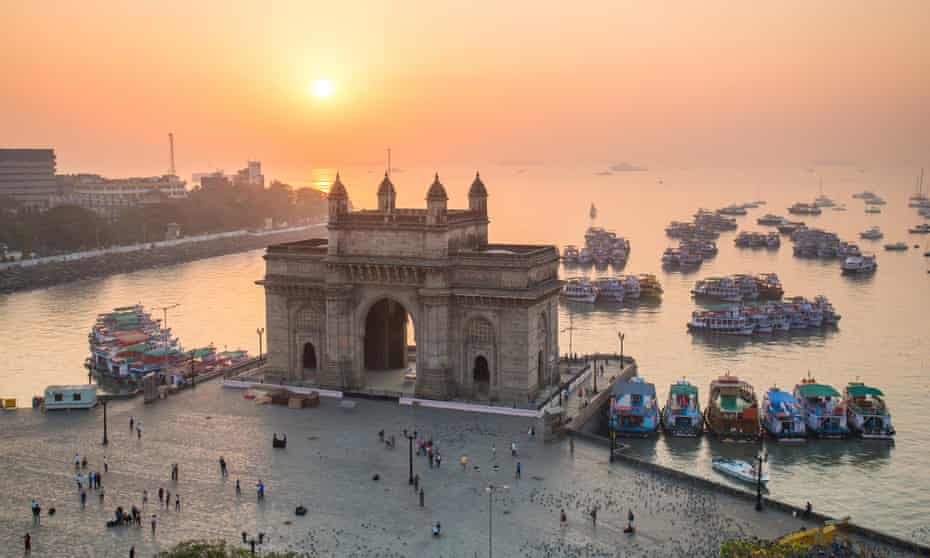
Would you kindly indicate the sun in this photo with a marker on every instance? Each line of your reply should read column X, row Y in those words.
column 322, row 89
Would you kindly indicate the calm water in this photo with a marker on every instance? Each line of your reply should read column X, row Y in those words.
column 882, row 338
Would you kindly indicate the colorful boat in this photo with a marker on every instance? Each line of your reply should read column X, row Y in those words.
column 866, row 412
column 633, row 409
column 782, row 416
column 824, row 409
column 649, row 286
column 682, row 413
column 732, row 409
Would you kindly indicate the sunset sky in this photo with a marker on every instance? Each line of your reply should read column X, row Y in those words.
column 658, row 83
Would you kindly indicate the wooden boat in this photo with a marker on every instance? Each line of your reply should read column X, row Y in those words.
column 732, row 409
column 682, row 413
column 824, row 409
column 782, row 417
column 866, row 412
column 633, row 409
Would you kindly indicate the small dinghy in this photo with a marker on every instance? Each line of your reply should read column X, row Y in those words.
column 739, row 470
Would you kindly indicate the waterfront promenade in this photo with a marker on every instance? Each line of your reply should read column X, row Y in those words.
column 328, row 466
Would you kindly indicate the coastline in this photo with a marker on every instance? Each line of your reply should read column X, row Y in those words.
column 70, row 267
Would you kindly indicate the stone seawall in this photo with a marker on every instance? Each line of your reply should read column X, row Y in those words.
column 866, row 532
column 18, row 278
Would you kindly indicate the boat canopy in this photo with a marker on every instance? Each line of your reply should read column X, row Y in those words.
column 634, row 388
column 202, row 352
column 778, row 396
column 160, row 352
column 683, row 389
column 137, row 348
column 862, row 390
column 817, row 390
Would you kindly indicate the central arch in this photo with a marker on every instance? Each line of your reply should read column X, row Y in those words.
column 386, row 336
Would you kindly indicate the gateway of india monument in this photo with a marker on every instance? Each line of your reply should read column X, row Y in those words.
column 485, row 316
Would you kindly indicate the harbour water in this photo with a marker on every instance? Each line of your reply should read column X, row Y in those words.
column 882, row 338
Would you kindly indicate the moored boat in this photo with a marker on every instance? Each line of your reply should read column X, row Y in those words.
column 579, row 290
column 782, row 416
column 732, row 409
column 801, row 208
column 717, row 288
column 771, row 220
column 823, row 408
column 896, row 246
column 681, row 415
column 740, row 470
column 864, row 263
column 867, row 412
column 570, row 254
column 730, row 321
column 609, row 289
column 633, row 409
column 649, row 286
column 873, row 233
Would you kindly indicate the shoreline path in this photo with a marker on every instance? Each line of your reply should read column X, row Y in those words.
column 329, row 464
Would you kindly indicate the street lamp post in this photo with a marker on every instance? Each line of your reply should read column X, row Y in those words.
column 410, row 436
column 260, row 331
column 491, row 488
column 105, row 440
column 760, row 458
column 622, row 336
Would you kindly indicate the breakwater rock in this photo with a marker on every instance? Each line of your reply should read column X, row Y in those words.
column 19, row 278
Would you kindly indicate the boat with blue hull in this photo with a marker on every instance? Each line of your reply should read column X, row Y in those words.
column 867, row 413
column 782, row 416
column 633, row 409
column 824, row 409
column 682, row 413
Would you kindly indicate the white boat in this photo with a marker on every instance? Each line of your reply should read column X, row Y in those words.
column 732, row 209
column 727, row 322
column 570, row 254
column 609, row 289
column 873, row 233
column 867, row 412
column 875, row 201
column 739, row 470
column 873, row 209
column 859, row 264
column 579, row 290
column 70, row 397
column 718, row 288
column 865, row 195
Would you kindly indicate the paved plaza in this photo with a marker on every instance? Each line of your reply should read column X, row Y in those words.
column 328, row 466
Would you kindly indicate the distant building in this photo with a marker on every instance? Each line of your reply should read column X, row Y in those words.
column 250, row 177
column 215, row 181
column 109, row 196
column 28, row 176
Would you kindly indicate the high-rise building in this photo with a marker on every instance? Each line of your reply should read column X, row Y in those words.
column 28, row 176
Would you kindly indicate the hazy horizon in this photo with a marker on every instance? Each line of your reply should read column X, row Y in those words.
column 780, row 84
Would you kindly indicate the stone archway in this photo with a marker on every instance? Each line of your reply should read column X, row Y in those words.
column 385, row 335
column 481, row 375
column 309, row 360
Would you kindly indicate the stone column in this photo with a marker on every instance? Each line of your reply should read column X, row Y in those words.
column 339, row 370
column 277, row 332
column 434, row 373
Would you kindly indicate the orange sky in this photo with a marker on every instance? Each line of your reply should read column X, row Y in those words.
column 658, row 83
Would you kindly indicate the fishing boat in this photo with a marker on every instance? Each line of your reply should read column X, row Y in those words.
column 579, row 290
column 585, row 257
column 671, row 257
column 631, row 288
column 782, row 416
column 823, row 407
column 609, row 289
column 873, row 233
column 717, row 288
column 570, row 254
column 866, row 412
column 770, row 220
column 790, row 227
column 649, row 286
column 922, row 228
column 732, row 409
column 732, row 209
column 855, row 265
column 739, row 470
column 801, row 208
column 682, row 413
column 633, row 409
column 769, row 286
column 875, row 201
column 730, row 321
column 70, row 397
column 873, row 209
column 864, row 195
column 897, row 246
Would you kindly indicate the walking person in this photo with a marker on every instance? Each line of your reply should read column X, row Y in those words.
column 421, row 497
column 177, row 503
column 222, row 467
column 464, row 462
column 145, row 498
column 513, row 448
column 132, row 551
column 438, row 459
column 83, row 499
column 594, row 516
column 629, row 522
column 106, row 465
column 36, row 513
column 27, row 543
column 519, row 469
column 131, row 420
column 563, row 519
column 161, row 495
column 571, row 445
column 139, row 429
column 167, row 499
column 154, row 523
column 238, row 489
column 429, row 454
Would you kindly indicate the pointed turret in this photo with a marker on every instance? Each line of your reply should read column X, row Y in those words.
column 386, row 195
column 436, row 202
column 338, row 199
column 478, row 196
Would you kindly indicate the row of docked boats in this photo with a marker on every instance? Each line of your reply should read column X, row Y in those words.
column 128, row 344
column 753, row 239
column 616, row 289
column 739, row 287
column 733, row 412
column 796, row 313
column 601, row 248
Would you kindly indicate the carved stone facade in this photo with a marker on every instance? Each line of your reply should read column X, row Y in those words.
column 485, row 316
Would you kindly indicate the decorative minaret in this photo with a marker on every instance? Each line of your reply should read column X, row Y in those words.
column 386, row 195
column 436, row 203
column 478, row 196
column 338, row 200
